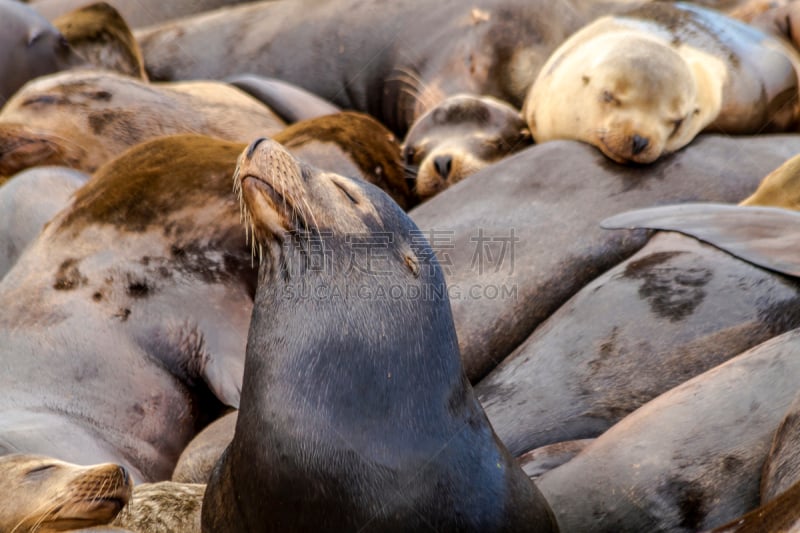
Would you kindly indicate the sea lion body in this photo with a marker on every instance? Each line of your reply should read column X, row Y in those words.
column 24, row 210
column 124, row 322
column 393, row 440
column 81, row 119
column 45, row 495
column 645, row 83
column 459, row 136
column 391, row 60
column 497, row 302
column 687, row 460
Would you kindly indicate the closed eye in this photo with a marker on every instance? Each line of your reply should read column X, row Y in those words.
column 350, row 196
column 676, row 125
column 39, row 470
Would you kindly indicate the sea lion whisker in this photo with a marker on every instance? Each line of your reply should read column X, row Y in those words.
column 44, row 515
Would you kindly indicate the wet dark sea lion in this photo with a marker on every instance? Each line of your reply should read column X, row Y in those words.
column 391, row 60
column 31, row 47
column 83, row 118
column 687, row 460
column 553, row 196
column 392, row 440
column 460, row 136
column 100, row 35
column 671, row 311
column 124, row 323
column 24, row 210
column 41, row 494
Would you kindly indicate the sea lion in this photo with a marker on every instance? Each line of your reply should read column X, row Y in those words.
column 138, row 14
column 392, row 60
column 164, row 507
column 645, row 83
column 687, row 460
column 671, row 311
column 288, row 101
column 124, row 323
column 355, row 145
column 41, row 494
column 394, row 440
column 460, row 136
column 780, row 188
column 83, row 118
column 202, row 453
column 100, row 35
column 24, row 209
column 510, row 208
column 31, row 47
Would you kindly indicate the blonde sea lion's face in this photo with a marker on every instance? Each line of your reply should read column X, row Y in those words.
column 42, row 495
column 633, row 98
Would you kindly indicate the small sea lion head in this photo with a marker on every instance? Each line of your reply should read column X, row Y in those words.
column 42, row 495
column 460, row 136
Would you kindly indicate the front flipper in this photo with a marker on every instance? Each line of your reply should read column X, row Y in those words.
column 768, row 237
column 288, row 101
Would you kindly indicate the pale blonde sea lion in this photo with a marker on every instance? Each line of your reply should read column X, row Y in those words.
column 780, row 188
column 644, row 84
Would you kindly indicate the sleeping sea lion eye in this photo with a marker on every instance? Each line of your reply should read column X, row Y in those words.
column 676, row 125
column 609, row 98
column 39, row 469
column 350, row 196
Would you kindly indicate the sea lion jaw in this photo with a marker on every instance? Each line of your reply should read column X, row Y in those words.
column 46, row 495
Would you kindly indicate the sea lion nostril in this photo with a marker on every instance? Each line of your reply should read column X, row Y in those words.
column 254, row 145
column 639, row 144
column 443, row 164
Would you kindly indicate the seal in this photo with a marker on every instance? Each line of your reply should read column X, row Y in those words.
column 32, row 47
column 497, row 303
column 24, row 210
column 43, row 494
column 355, row 145
column 164, row 506
column 148, row 262
column 199, row 457
column 643, row 84
column 83, row 118
column 391, row 441
column 780, row 188
column 460, row 136
column 382, row 59
column 688, row 460
column 671, row 311
column 99, row 34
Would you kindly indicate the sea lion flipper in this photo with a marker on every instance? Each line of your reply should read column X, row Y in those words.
column 765, row 236
column 288, row 101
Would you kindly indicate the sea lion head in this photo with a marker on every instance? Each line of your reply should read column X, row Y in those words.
column 631, row 96
column 44, row 495
column 460, row 136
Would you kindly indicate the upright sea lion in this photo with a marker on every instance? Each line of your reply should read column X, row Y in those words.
column 460, row 136
column 41, row 494
column 81, row 119
column 124, row 323
column 25, row 207
column 392, row 60
column 31, row 47
column 394, row 439
column 100, row 35
column 687, row 460
column 671, row 311
column 523, row 241
column 645, row 83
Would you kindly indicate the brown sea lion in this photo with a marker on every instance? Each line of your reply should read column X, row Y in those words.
column 643, row 84
column 780, row 188
column 546, row 222
column 124, row 323
column 81, row 119
column 460, row 136
column 164, row 507
column 386, row 442
column 687, row 460
column 31, row 47
column 202, row 453
column 100, row 35
column 24, row 209
column 43, row 495
column 392, row 60
column 671, row 311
